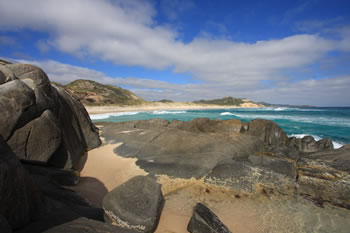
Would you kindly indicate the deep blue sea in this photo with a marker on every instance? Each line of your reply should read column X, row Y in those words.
column 318, row 122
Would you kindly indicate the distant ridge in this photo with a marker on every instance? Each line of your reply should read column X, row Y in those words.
column 96, row 94
column 229, row 101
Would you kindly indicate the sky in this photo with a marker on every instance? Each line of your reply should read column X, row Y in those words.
column 281, row 52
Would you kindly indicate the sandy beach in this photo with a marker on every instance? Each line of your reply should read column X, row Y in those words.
column 160, row 106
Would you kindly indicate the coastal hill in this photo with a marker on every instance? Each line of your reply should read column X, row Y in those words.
column 92, row 93
column 229, row 101
column 97, row 94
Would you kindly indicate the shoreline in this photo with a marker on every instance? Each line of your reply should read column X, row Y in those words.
column 94, row 110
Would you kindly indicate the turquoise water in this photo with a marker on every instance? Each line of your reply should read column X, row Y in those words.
column 318, row 122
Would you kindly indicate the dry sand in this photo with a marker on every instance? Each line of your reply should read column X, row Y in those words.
column 159, row 106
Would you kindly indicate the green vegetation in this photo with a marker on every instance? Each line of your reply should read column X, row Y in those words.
column 96, row 94
column 165, row 101
column 224, row 101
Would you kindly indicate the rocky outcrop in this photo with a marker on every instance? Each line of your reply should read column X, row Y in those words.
column 43, row 123
column 135, row 204
column 44, row 136
column 204, row 220
column 247, row 157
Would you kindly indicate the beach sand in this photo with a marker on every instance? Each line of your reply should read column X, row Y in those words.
column 159, row 106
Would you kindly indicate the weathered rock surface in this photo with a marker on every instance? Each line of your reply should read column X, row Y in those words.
column 135, row 204
column 204, row 220
column 42, row 123
column 41, row 127
column 247, row 157
column 85, row 225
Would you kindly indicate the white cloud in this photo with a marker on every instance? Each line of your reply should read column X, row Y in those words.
column 125, row 32
column 325, row 92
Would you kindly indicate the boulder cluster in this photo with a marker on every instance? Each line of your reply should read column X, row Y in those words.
column 45, row 133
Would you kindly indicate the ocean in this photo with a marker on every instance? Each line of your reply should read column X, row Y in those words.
column 320, row 123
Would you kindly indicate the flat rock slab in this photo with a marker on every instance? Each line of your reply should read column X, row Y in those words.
column 135, row 204
column 204, row 220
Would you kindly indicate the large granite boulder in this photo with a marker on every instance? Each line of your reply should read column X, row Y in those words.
column 135, row 204
column 43, row 123
column 20, row 198
column 204, row 220
column 309, row 144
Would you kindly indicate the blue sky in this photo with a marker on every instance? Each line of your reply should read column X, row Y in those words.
column 293, row 52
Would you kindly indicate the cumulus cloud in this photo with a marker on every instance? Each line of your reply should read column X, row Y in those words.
column 125, row 32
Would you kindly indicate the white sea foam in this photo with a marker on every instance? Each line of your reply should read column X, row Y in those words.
column 226, row 114
column 107, row 115
column 331, row 121
column 336, row 145
column 168, row 112
column 280, row 109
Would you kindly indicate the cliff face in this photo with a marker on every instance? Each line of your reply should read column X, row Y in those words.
column 44, row 128
column 95, row 94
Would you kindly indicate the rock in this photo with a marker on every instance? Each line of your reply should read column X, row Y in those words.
column 2, row 78
column 204, row 220
column 84, row 225
column 205, row 125
column 4, row 226
column 308, row 144
column 135, row 204
column 15, row 99
column 20, row 197
column 9, row 76
column 38, row 140
column 267, row 131
column 255, row 174
column 88, row 129
column 324, row 176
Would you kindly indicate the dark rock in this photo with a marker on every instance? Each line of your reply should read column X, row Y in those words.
column 84, row 225
column 267, row 131
column 2, row 78
column 204, row 220
column 15, row 99
column 20, row 197
column 87, row 128
column 308, row 144
column 4, row 226
column 37, row 140
column 135, row 204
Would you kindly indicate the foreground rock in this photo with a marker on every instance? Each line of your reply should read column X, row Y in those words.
column 43, row 123
column 20, row 198
column 248, row 157
column 44, row 136
column 204, row 220
column 136, row 204
column 84, row 225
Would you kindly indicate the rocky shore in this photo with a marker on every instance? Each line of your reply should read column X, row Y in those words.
column 46, row 133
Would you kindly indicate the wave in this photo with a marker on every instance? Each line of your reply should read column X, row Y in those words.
column 108, row 115
column 168, row 112
column 336, row 145
column 329, row 121
column 280, row 109
column 226, row 114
